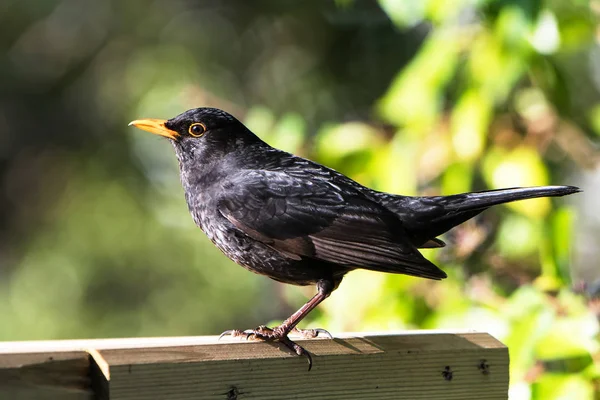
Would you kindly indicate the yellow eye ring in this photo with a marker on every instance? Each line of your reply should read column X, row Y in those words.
column 197, row 129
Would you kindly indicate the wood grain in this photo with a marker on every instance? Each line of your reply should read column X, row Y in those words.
column 411, row 365
column 45, row 375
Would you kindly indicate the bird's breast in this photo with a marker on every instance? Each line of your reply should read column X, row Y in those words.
column 256, row 256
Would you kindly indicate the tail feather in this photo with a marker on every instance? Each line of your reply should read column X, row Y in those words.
column 488, row 198
column 425, row 218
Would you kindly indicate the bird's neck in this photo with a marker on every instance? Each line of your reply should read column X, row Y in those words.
column 204, row 166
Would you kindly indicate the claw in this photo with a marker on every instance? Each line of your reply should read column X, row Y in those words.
column 229, row 332
column 301, row 352
column 309, row 357
column 323, row 332
column 312, row 333
column 236, row 333
column 248, row 333
column 296, row 348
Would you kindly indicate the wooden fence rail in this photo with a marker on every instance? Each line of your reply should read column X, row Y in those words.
column 408, row 365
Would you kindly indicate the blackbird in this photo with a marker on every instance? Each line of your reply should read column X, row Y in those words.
column 301, row 223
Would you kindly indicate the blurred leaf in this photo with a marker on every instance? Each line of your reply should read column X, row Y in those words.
column 546, row 37
column 397, row 166
column 518, row 236
column 494, row 68
column 562, row 387
column 404, row 13
column 568, row 338
column 415, row 96
column 513, row 24
column 555, row 251
column 374, row 309
column 530, row 319
column 470, row 119
column 336, row 142
column 518, row 168
column 457, row 178
column 260, row 120
column 289, row 134
column 595, row 118
column 576, row 25
column 440, row 11
column 351, row 148
column 531, row 104
column 551, row 79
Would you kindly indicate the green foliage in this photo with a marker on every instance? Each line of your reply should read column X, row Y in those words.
column 449, row 107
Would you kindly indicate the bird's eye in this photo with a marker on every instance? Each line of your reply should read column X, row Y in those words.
column 197, row 129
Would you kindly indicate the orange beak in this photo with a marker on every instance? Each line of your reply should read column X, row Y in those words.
column 156, row 126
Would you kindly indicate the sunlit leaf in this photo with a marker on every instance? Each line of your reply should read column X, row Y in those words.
column 470, row 119
column 337, row 141
column 398, row 166
column 576, row 26
column 514, row 23
column 555, row 251
column 518, row 168
column 415, row 96
column 546, row 37
column 260, row 120
column 457, row 178
column 530, row 319
column 439, row 10
column 289, row 134
column 594, row 117
column 404, row 13
column 493, row 67
column 568, row 338
column 518, row 236
column 562, row 387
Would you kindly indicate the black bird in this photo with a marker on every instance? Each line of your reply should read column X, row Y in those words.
column 302, row 223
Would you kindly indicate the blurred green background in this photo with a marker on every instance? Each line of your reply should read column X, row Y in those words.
column 429, row 97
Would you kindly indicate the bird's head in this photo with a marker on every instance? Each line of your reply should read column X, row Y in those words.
column 200, row 134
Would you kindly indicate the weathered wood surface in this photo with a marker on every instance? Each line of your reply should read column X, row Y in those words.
column 410, row 365
column 45, row 375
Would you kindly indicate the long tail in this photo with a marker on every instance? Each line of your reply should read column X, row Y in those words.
column 488, row 198
column 425, row 218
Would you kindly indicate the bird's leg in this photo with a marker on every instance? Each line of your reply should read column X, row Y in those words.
column 324, row 289
column 280, row 333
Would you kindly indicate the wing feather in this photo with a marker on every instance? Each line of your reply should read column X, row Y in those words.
column 312, row 219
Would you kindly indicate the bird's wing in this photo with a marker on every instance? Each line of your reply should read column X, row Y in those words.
column 303, row 218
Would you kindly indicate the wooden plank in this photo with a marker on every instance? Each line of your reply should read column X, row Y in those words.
column 45, row 376
column 421, row 366
column 408, row 365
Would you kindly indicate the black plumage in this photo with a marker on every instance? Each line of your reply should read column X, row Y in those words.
column 300, row 222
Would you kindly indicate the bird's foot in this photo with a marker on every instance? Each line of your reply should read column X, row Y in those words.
column 268, row 334
column 278, row 334
column 262, row 332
